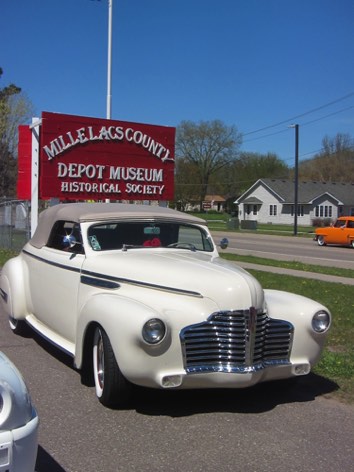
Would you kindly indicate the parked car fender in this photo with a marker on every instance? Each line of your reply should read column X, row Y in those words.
column 307, row 343
column 12, row 288
column 19, row 421
column 110, row 312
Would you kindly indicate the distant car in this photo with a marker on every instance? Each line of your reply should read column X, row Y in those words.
column 138, row 294
column 341, row 233
column 18, row 421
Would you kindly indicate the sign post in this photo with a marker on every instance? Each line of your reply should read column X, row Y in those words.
column 34, row 173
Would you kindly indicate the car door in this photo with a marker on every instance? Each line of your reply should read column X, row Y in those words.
column 337, row 234
column 54, row 278
column 343, row 232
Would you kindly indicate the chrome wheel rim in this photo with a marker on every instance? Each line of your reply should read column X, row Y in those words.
column 100, row 360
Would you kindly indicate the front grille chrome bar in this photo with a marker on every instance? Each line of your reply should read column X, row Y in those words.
column 236, row 341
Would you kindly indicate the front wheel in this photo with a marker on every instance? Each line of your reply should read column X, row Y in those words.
column 352, row 243
column 112, row 388
column 321, row 241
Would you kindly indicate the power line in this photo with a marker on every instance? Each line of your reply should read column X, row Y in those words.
column 319, row 151
column 302, row 124
column 300, row 116
column 326, row 116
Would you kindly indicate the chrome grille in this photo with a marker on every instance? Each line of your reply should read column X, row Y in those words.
column 236, row 341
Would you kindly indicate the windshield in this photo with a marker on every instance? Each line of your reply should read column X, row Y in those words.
column 124, row 235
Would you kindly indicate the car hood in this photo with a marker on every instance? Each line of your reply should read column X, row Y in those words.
column 186, row 272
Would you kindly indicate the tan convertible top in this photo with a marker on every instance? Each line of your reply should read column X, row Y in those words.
column 80, row 212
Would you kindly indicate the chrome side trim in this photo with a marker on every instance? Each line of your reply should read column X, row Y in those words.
column 55, row 264
column 100, row 283
column 117, row 280
column 144, row 284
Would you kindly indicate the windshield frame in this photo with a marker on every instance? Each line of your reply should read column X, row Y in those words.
column 122, row 235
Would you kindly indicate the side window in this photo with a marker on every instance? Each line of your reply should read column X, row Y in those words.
column 58, row 237
column 194, row 236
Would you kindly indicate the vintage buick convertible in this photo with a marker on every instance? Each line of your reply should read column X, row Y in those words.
column 138, row 294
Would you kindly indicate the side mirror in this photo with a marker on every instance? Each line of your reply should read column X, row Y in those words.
column 69, row 240
column 224, row 243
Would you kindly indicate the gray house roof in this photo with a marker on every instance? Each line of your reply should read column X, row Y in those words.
column 307, row 191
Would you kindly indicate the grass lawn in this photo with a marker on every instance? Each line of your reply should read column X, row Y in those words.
column 290, row 265
column 5, row 254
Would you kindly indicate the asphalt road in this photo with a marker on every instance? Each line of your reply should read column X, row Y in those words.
column 287, row 248
column 275, row 427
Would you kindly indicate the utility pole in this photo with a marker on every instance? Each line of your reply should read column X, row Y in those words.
column 109, row 66
column 296, row 179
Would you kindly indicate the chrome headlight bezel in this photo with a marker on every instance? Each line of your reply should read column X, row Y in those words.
column 153, row 331
column 321, row 321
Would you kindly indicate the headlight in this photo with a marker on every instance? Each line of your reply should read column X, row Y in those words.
column 321, row 321
column 154, row 331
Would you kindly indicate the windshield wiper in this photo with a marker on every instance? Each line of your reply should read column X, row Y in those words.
column 125, row 247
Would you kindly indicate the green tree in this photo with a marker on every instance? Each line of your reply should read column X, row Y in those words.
column 237, row 177
column 15, row 109
column 186, row 177
column 207, row 146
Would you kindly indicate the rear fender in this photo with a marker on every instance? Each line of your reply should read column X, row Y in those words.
column 12, row 288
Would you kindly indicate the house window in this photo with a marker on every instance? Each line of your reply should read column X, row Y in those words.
column 323, row 211
column 300, row 210
column 272, row 210
column 255, row 209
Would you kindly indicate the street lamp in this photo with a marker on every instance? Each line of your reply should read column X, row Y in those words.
column 296, row 179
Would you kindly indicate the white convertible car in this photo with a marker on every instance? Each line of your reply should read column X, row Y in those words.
column 138, row 294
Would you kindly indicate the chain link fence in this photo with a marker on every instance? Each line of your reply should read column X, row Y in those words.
column 15, row 224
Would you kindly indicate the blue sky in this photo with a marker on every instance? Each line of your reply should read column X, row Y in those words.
column 254, row 64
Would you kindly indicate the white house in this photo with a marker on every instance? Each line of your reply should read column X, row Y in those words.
column 272, row 201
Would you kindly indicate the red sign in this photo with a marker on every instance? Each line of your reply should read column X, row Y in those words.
column 85, row 158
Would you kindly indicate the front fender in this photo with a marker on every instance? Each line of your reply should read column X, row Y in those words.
column 122, row 318
column 12, row 288
column 299, row 311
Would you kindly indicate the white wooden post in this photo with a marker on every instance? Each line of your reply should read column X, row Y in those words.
column 34, row 173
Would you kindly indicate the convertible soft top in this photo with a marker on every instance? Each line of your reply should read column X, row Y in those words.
column 80, row 212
